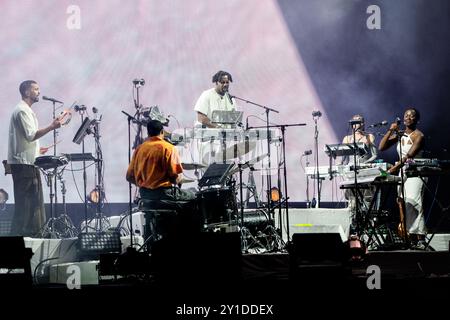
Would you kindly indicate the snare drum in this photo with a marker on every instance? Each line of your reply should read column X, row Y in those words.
column 50, row 162
column 217, row 206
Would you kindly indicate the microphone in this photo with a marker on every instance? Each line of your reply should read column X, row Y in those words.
column 398, row 120
column 378, row 124
column 316, row 114
column 307, row 153
column 355, row 121
column 230, row 97
column 138, row 82
column 79, row 108
column 225, row 90
column 51, row 99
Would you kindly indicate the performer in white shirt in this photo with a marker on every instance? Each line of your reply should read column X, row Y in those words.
column 23, row 148
column 216, row 98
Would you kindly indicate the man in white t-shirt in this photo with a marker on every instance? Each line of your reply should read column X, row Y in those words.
column 216, row 98
column 23, row 148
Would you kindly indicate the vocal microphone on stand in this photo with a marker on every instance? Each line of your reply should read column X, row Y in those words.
column 139, row 82
column 378, row 124
column 228, row 95
column 79, row 108
column 51, row 99
column 316, row 114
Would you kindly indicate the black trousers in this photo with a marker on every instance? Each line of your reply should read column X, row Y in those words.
column 29, row 213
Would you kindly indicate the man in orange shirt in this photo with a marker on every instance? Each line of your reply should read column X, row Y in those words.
column 156, row 169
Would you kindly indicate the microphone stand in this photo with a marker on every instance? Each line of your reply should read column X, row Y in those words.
column 400, row 134
column 130, row 119
column 55, row 170
column 316, row 147
column 283, row 144
column 81, row 111
column 356, row 192
column 269, row 182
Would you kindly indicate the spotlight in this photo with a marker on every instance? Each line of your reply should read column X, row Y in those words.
column 94, row 196
column 275, row 194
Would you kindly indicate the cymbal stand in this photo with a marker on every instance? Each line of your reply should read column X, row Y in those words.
column 251, row 189
column 268, row 173
column 245, row 233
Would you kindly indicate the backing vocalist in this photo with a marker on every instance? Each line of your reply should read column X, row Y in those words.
column 361, row 136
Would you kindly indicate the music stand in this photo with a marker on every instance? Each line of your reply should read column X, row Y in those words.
column 82, row 131
column 346, row 149
column 215, row 174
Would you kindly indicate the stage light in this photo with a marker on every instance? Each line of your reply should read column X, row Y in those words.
column 94, row 196
column 275, row 194
column 95, row 243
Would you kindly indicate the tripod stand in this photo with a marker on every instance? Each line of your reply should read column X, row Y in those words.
column 49, row 229
column 246, row 235
column 65, row 226
column 100, row 222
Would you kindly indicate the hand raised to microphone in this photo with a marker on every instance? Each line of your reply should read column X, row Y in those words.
column 394, row 126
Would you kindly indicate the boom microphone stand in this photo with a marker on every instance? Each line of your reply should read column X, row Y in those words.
column 130, row 119
column 283, row 144
column 269, row 182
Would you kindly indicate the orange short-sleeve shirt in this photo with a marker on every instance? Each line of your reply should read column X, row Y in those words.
column 155, row 164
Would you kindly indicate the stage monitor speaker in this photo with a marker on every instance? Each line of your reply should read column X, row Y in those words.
column 15, row 262
column 208, row 258
column 315, row 256
column 317, row 247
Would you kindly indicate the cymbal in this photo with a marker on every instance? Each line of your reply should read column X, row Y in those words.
column 192, row 166
column 248, row 164
column 186, row 180
column 234, row 151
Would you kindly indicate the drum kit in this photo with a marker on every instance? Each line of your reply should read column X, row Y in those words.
column 219, row 208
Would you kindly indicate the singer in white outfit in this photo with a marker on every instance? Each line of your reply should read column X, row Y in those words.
column 409, row 146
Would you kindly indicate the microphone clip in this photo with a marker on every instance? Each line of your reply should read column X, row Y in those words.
column 138, row 82
column 316, row 114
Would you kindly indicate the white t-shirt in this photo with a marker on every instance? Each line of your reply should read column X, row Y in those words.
column 22, row 130
column 210, row 101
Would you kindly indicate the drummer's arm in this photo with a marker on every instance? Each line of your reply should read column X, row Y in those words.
column 204, row 120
